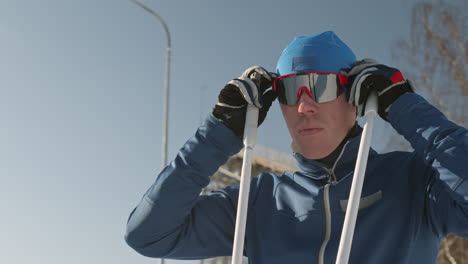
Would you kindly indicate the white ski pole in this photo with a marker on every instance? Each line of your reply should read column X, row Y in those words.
column 349, row 224
column 250, row 138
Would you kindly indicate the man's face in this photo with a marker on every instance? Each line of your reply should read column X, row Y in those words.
column 318, row 128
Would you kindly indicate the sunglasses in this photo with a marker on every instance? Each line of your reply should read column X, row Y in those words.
column 320, row 86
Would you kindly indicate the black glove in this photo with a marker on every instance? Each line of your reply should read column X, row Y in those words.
column 367, row 75
column 249, row 88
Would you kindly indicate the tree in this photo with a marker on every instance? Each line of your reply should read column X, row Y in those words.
column 436, row 55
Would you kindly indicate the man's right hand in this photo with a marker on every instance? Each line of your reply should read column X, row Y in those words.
column 250, row 88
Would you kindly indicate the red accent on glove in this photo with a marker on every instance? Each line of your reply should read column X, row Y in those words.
column 397, row 77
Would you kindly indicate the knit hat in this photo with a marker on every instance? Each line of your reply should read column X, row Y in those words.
column 324, row 52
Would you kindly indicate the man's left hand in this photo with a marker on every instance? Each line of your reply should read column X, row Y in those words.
column 366, row 76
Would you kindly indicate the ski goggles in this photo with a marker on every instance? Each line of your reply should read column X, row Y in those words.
column 320, row 86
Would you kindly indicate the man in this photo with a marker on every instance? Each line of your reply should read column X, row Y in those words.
column 410, row 200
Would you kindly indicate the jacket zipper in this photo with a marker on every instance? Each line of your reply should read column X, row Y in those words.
column 331, row 175
column 326, row 203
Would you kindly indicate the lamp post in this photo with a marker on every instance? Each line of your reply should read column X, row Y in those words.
column 166, row 85
column 166, row 80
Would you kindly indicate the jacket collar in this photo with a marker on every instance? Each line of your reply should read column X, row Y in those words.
column 344, row 164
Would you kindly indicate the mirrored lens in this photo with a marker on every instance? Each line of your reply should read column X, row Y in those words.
column 322, row 87
column 325, row 87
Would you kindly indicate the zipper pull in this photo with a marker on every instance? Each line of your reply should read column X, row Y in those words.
column 331, row 175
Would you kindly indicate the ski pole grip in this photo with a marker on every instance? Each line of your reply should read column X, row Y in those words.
column 251, row 124
column 371, row 104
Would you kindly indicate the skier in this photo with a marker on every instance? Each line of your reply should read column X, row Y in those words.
column 410, row 200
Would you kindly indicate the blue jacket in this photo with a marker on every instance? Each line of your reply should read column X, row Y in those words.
column 410, row 200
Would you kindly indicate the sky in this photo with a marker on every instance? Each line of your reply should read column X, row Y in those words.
column 81, row 103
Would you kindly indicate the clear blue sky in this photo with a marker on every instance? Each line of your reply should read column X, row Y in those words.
column 81, row 103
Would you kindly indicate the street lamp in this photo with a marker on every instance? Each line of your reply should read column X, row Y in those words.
column 166, row 84
column 166, row 80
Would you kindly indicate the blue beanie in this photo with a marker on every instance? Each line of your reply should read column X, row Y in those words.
column 324, row 52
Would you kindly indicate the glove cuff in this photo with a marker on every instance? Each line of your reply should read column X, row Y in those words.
column 392, row 93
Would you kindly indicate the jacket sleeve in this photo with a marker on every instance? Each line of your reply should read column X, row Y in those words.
column 443, row 147
column 172, row 220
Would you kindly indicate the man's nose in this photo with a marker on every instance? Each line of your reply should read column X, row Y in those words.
column 307, row 105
